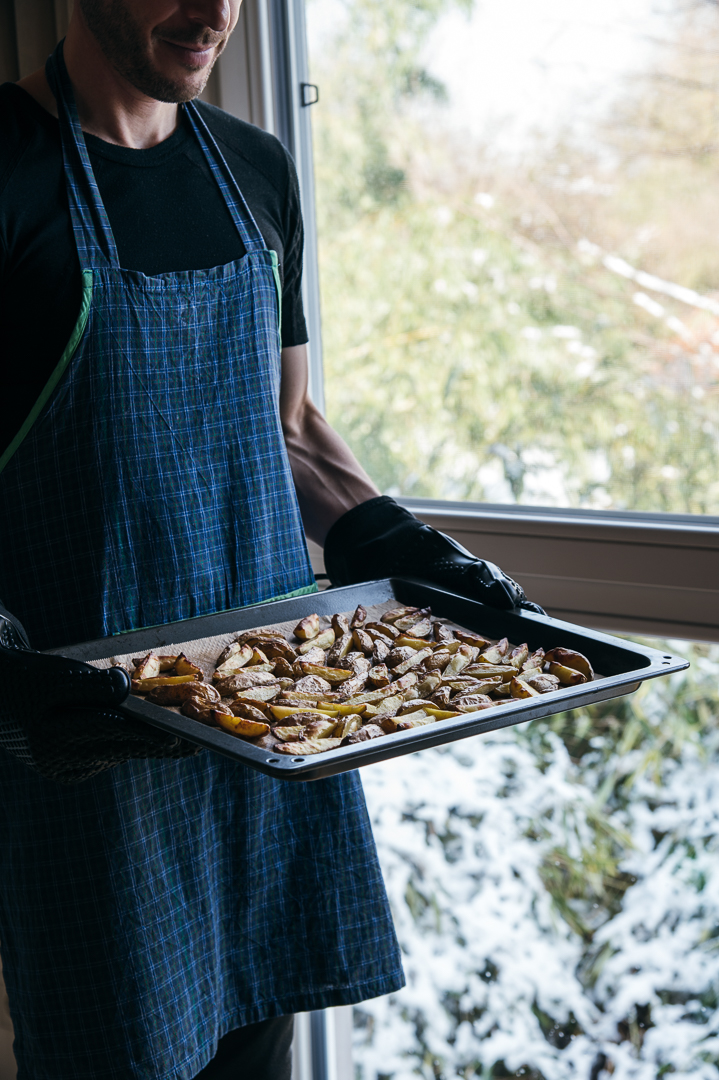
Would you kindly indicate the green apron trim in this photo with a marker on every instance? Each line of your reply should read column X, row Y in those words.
column 59, row 371
column 306, row 590
column 278, row 286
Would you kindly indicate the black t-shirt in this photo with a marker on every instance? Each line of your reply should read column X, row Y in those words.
column 166, row 212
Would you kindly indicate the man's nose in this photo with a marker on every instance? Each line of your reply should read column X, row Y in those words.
column 218, row 15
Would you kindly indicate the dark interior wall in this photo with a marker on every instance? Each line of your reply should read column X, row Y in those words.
column 30, row 29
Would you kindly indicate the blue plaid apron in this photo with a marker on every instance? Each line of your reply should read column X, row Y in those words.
column 159, row 905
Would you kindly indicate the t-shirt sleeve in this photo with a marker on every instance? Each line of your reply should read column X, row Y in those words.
column 294, row 326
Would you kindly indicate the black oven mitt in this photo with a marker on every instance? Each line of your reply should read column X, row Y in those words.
column 57, row 715
column 380, row 539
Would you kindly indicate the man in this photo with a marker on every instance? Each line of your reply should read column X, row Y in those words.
column 166, row 917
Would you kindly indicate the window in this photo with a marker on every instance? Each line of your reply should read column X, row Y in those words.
column 520, row 289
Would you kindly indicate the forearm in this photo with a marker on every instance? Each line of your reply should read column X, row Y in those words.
column 328, row 478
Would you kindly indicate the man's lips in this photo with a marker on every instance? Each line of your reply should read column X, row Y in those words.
column 196, row 56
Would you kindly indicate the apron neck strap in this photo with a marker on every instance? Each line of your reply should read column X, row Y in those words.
column 90, row 223
column 239, row 210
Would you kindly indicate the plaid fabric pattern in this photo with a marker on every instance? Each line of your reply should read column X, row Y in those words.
column 156, row 906
column 155, row 484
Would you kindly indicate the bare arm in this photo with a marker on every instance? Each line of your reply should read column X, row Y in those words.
column 328, row 478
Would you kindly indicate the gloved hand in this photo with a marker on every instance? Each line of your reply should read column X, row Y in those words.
column 380, row 539
column 56, row 714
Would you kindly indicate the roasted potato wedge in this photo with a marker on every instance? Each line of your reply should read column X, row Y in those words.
column 308, row 747
column 332, row 675
column 235, row 662
column 339, row 650
column 143, row 686
column 178, row 693
column 518, row 688
column 359, row 618
column 308, row 628
column 183, row 666
column 324, row 640
column 340, row 625
column 571, row 659
column 148, row 667
column 566, row 675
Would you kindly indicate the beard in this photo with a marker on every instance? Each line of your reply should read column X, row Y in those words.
column 123, row 43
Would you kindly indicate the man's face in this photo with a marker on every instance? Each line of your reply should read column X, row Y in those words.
column 164, row 48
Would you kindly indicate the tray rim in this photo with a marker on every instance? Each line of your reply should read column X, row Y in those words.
column 344, row 759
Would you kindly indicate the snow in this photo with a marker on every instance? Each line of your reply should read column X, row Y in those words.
column 463, row 834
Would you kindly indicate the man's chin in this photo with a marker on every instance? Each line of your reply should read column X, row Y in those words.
column 172, row 88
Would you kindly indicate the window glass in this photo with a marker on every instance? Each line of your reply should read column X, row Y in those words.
column 518, row 208
column 555, row 889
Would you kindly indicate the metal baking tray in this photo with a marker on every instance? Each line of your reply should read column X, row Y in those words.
column 623, row 666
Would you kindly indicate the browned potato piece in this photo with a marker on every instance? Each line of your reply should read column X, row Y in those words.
column 308, row 628
column 310, row 746
column 237, row 725
column 258, row 693
column 289, row 733
column 473, row 703
column 363, row 641
column 406, row 622
column 544, row 683
column 258, row 657
column 347, row 724
column 429, row 684
column 314, row 655
column 359, row 663
column 421, row 629
column 232, row 650
column 518, row 657
column 421, row 719
column 379, row 675
column 340, row 625
column 414, row 661
column 353, row 685
column 143, row 686
column 198, row 708
column 248, row 711
column 571, row 659
column 243, row 680
column 566, row 675
column 311, row 684
column 399, row 655
column 415, row 705
column 496, row 653
column 393, row 614
column 339, row 650
column 359, row 618
column 480, row 671
column 438, row 660
column 181, row 692
column 468, row 638
column 406, row 641
column 148, row 667
column 183, row 666
column 320, row 729
column 441, row 697
column 385, row 630
column 442, row 633
column 283, row 669
column 536, row 660
column 520, row 689
column 464, row 656
column 275, row 650
column 369, row 731
column 322, row 641
column 332, row 675
column 234, row 663
column 381, row 651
